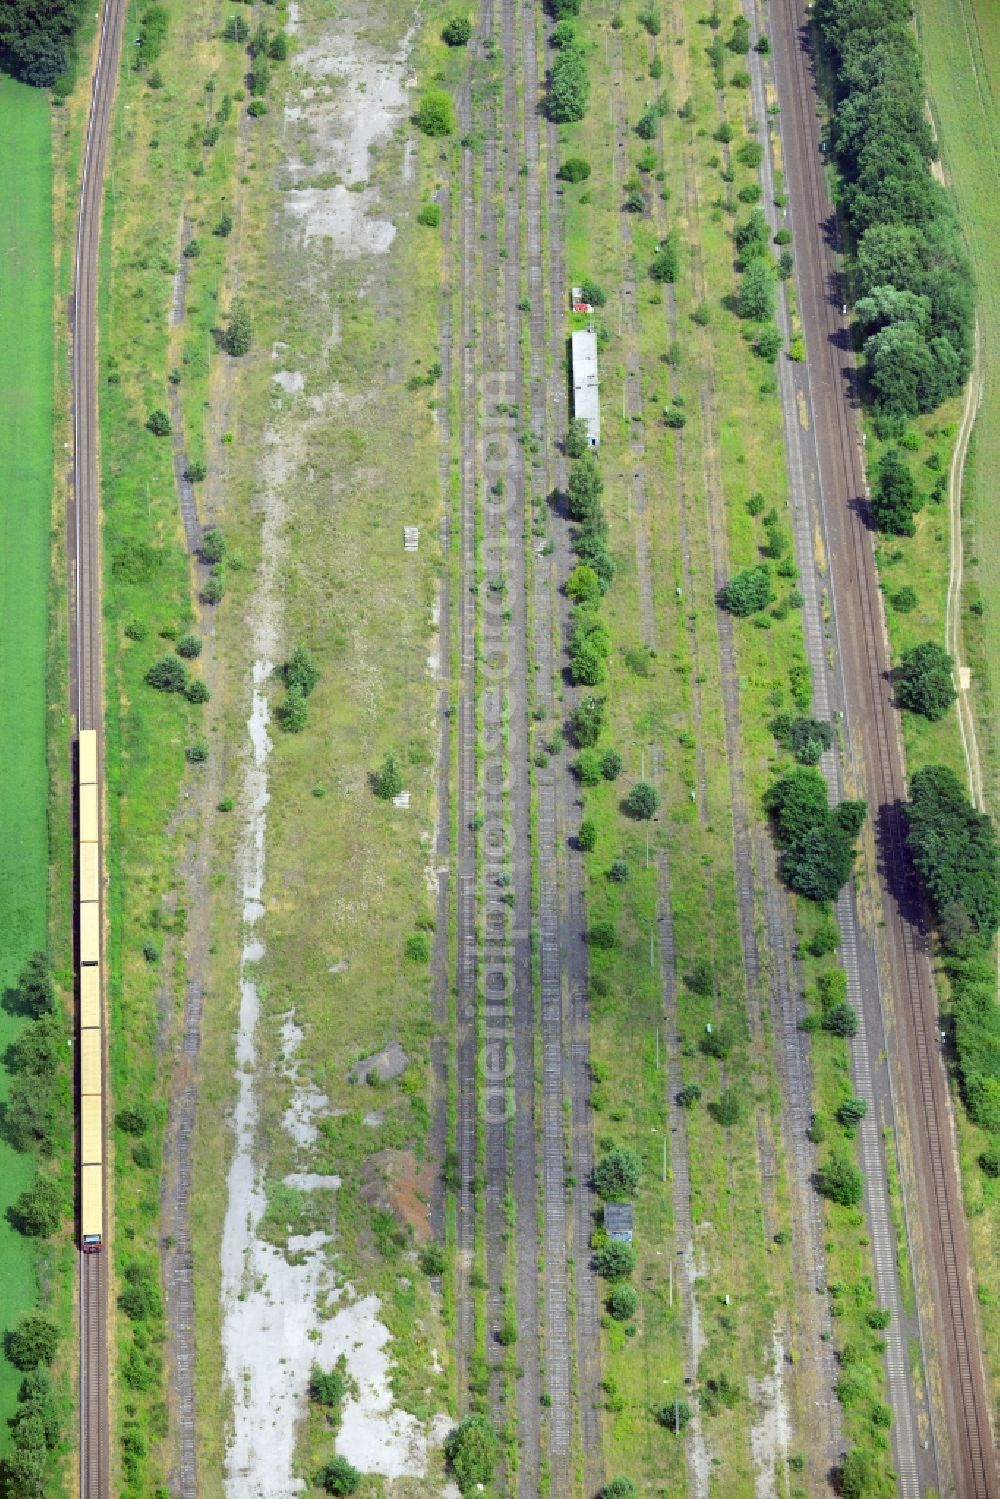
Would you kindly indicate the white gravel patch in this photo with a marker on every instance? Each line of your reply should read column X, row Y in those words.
column 374, row 1436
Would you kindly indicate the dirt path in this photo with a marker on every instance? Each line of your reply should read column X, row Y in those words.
column 953, row 611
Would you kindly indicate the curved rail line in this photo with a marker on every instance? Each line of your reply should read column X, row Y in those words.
column 86, row 659
column 853, row 570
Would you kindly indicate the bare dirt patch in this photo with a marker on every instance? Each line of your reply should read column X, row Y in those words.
column 396, row 1183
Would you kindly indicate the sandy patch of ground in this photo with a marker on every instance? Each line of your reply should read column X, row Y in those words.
column 770, row 1430
column 394, row 1182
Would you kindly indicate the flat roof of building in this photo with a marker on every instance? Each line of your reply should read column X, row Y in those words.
column 586, row 394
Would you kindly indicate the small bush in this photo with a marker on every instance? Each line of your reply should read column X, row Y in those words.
column 338, row 1477
column 237, row 340
column 618, row 873
column 158, row 422
column 840, row 1181
column 387, row 781
column 851, row 1112
column 642, row 801
column 430, row 215
column 623, row 1302
column 167, row 675
column 224, row 226
column 433, row 1259
column 674, row 1415
column 197, row 753
column 418, row 947
column 457, row 31
column 435, row 116
column 689, row 1095
column 587, row 835
column 747, row 591
column 615, row 1260
column 611, row 765
column 472, row 1450
column 593, row 292
column 602, row 935
column 617, row 1174
column 189, row 646
column 989, row 1162
column 574, row 169
column 904, row 600
column 197, row 691
column 32, row 1342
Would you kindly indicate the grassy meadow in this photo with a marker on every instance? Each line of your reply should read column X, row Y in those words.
column 961, row 47
column 26, row 373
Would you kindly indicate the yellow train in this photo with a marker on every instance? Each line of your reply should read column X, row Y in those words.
column 91, row 1036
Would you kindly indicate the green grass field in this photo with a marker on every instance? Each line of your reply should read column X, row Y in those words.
column 961, row 46
column 26, row 464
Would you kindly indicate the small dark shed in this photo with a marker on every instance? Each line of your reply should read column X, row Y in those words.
column 618, row 1221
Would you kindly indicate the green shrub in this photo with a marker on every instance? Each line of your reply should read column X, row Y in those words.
column 924, row 680
column 159, row 423
column 747, row 591
column 615, row 1260
column 32, row 1342
column 189, row 646
column 673, row 1416
column 955, row 851
column 666, row 262
column 569, row 86
column 574, row 169
column 237, row 339
column 197, row 691
column 167, row 675
column 623, row 1301
column 387, row 781
column 339, row 1477
column 435, row 116
column 587, row 835
column 602, row 935
column 300, row 671
column 611, row 765
column 851, row 1112
column 472, row 1450
column 430, row 215
column 38, row 1210
column 689, row 1095
column 617, row 1174
column 457, row 31
column 418, row 947
column 642, row 801
column 727, row 1110
column 840, row 1180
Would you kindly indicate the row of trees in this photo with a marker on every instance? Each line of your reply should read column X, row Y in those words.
column 957, row 856
column 569, row 83
column 37, row 42
column 37, row 1119
column 916, row 297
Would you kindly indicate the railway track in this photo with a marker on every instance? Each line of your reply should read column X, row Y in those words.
column 86, row 676
column 864, row 650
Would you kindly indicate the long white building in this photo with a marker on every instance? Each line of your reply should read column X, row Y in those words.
column 586, row 396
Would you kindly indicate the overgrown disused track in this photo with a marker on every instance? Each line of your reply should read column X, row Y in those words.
column 866, row 661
